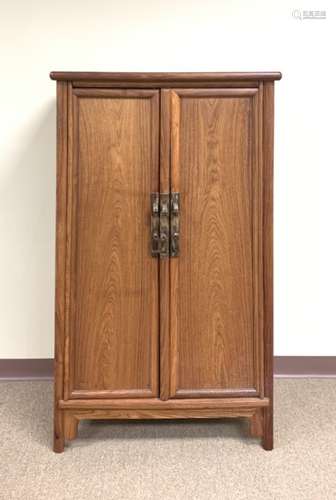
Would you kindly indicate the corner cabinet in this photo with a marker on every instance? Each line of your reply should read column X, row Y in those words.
column 164, row 248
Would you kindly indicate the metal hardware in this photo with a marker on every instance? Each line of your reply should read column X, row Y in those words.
column 155, row 225
column 165, row 224
column 174, row 224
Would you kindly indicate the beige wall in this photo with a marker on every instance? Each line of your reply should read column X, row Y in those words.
column 37, row 36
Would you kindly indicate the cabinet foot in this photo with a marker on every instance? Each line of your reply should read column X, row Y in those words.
column 267, row 441
column 58, row 445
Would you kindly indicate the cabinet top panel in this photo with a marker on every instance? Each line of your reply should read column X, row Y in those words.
column 164, row 78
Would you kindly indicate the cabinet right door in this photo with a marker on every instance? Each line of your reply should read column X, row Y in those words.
column 216, row 341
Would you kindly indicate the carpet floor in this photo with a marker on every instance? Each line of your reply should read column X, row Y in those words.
column 170, row 460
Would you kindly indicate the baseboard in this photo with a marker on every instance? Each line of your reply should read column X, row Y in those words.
column 26, row 369
column 284, row 366
column 305, row 366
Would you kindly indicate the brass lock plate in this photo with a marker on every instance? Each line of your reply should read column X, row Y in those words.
column 165, row 224
column 155, row 224
column 174, row 224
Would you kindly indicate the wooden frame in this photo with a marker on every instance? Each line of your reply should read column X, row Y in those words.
column 268, row 139
column 68, row 412
column 165, row 80
column 61, row 237
column 71, row 251
column 256, row 96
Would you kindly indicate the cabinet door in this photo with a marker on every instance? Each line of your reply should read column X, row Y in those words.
column 216, row 282
column 112, row 326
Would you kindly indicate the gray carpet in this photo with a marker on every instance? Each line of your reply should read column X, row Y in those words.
column 170, row 460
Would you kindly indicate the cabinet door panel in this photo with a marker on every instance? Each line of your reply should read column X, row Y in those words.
column 112, row 280
column 216, row 282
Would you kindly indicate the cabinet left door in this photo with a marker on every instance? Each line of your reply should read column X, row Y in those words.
column 111, row 279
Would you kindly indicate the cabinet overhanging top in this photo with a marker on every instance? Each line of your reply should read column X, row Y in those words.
column 164, row 78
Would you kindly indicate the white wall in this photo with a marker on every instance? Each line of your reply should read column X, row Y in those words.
column 37, row 36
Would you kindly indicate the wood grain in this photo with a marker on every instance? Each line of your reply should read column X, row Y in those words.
column 268, row 139
column 61, row 186
column 113, row 309
column 172, row 404
column 257, row 240
column 164, row 84
column 213, row 343
column 138, row 337
column 256, row 424
column 164, row 263
column 162, row 77
column 70, row 426
column 160, row 414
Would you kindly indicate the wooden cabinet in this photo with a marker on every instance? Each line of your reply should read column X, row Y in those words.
column 164, row 248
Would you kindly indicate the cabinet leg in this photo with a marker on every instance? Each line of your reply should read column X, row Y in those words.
column 58, row 432
column 256, row 425
column 268, row 429
column 70, row 427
